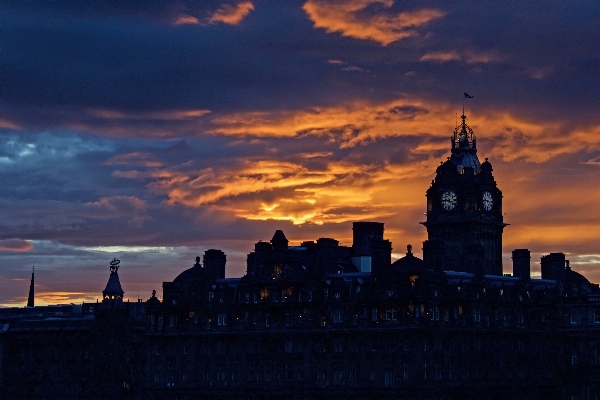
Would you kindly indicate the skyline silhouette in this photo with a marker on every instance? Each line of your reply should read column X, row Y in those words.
column 154, row 132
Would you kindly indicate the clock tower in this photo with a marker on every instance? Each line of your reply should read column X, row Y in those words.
column 464, row 209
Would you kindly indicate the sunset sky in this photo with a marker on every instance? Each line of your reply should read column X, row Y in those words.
column 153, row 131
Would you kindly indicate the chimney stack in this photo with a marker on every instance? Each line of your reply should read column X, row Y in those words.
column 522, row 264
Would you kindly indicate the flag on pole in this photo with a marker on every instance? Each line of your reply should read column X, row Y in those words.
column 468, row 96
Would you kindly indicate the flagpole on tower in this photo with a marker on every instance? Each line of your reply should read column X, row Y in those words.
column 465, row 96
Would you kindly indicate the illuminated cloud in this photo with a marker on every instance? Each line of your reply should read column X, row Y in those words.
column 442, row 56
column 120, row 204
column 51, row 298
column 15, row 244
column 350, row 17
column 468, row 57
column 9, row 124
column 360, row 123
column 593, row 161
column 186, row 20
column 353, row 68
column 164, row 115
column 297, row 191
column 232, row 14
column 348, row 125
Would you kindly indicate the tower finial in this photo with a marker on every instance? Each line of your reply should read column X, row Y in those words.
column 114, row 266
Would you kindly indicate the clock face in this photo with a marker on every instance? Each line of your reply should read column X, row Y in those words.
column 449, row 200
column 488, row 201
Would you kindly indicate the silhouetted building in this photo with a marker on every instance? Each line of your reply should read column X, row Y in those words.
column 320, row 320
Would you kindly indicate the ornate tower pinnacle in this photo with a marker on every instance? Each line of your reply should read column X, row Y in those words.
column 464, row 209
column 113, row 293
column 464, row 147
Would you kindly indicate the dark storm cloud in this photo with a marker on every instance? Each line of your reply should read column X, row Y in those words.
column 117, row 62
column 117, row 57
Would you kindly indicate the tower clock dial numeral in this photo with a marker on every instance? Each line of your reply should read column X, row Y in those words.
column 488, row 201
column 449, row 200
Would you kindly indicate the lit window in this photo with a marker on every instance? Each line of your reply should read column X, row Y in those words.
column 414, row 279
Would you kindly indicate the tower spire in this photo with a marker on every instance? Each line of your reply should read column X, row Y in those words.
column 30, row 299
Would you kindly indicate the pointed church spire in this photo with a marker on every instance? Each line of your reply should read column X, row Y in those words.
column 30, row 299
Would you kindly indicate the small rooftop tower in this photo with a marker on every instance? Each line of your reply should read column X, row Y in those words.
column 113, row 293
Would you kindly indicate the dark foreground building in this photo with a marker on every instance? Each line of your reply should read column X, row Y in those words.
column 323, row 321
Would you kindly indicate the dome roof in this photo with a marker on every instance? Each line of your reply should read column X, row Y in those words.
column 576, row 277
column 464, row 160
column 153, row 301
column 194, row 274
column 409, row 261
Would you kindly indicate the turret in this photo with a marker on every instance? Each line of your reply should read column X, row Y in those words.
column 112, row 295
